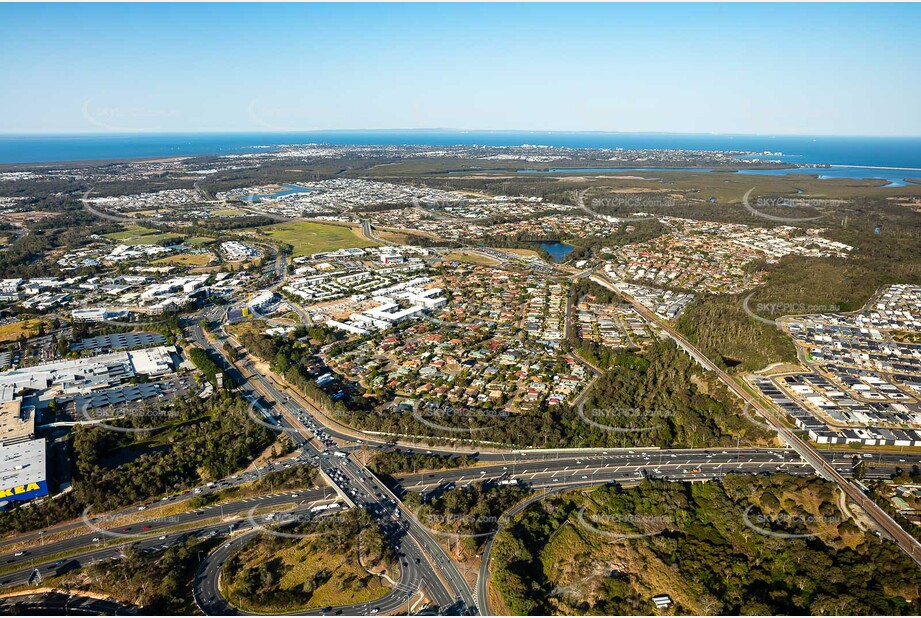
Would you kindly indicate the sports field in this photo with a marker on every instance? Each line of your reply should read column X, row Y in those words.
column 137, row 235
column 307, row 237
column 186, row 259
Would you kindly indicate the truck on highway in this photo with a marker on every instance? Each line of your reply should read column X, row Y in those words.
column 323, row 507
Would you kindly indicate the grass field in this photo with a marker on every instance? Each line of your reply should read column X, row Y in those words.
column 396, row 237
column 253, row 327
column 472, row 258
column 307, row 237
column 138, row 235
column 399, row 237
column 199, row 240
column 186, row 259
column 11, row 332
column 521, row 252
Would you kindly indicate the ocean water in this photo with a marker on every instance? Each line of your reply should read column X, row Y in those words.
column 902, row 152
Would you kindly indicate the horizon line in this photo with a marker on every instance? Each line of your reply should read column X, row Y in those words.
column 437, row 130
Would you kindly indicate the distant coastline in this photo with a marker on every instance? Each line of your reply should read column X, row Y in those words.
column 865, row 152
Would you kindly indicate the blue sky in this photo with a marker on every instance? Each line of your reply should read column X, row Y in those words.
column 778, row 69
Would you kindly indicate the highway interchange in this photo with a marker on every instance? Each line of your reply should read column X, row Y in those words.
column 234, row 519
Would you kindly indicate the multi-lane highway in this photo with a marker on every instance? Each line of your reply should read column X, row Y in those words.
column 546, row 471
column 533, row 469
column 107, row 541
column 59, row 603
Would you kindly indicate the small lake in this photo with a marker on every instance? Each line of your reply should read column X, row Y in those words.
column 557, row 250
column 286, row 190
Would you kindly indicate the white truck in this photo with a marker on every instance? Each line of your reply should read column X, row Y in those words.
column 323, row 507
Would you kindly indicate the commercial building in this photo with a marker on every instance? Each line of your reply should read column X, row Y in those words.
column 17, row 422
column 22, row 471
column 118, row 341
column 262, row 301
column 349, row 328
column 235, row 251
column 152, row 361
column 70, row 377
column 96, row 314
